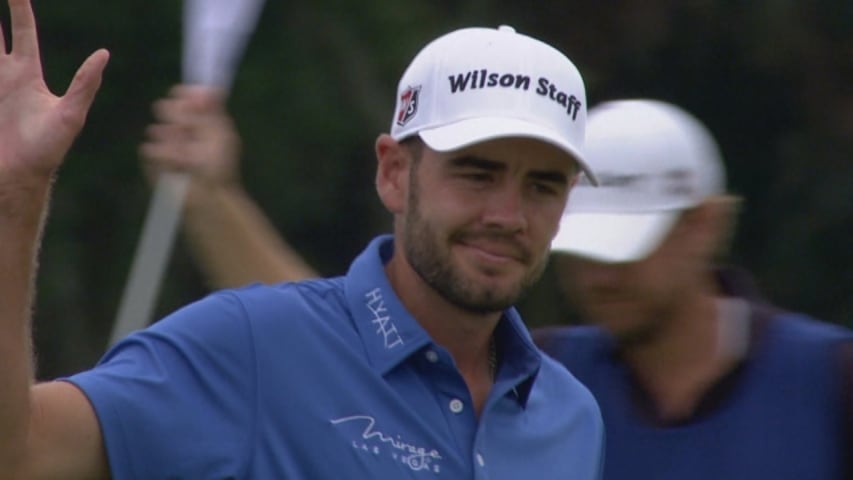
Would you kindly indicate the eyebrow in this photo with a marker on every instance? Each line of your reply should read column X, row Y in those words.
column 471, row 161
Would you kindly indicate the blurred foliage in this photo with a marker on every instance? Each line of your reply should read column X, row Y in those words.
column 772, row 79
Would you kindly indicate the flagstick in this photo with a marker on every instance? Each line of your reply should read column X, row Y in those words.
column 152, row 254
column 216, row 32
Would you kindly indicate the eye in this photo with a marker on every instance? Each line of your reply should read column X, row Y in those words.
column 545, row 188
column 478, row 176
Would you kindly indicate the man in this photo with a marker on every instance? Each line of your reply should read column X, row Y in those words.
column 412, row 365
column 688, row 362
column 638, row 255
column 696, row 376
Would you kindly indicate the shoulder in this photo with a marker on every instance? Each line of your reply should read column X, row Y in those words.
column 315, row 295
column 251, row 313
column 556, row 389
column 293, row 311
column 805, row 346
column 801, row 329
column 565, row 343
column 554, row 378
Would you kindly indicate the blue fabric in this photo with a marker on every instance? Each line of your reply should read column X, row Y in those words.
column 779, row 419
column 331, row 379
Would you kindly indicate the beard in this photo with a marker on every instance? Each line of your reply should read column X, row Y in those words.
column 431, row 260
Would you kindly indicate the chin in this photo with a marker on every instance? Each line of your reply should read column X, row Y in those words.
column 494, row 299
column 486, row 294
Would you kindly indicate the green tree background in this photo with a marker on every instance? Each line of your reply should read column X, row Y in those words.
column 772, row 79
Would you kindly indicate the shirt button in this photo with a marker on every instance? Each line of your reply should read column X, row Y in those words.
column 431, row 356
column 456, row 405
column 480, row 460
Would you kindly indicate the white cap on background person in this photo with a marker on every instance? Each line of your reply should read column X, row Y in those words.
column 653, row 160
column 478, row 84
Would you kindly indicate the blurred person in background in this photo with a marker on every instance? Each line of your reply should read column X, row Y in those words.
column 413, row 364
column 697, row 376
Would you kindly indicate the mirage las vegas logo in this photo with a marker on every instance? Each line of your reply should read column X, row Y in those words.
column 370, row 440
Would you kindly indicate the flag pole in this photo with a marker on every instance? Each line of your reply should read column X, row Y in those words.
column 216, row 33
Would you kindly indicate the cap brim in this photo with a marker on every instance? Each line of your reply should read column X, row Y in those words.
column 612, row 237
column 475, row 130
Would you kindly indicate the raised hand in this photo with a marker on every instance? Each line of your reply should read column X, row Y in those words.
column 193, row 134
column 37, row 127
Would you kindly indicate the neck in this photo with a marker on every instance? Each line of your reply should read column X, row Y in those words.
column 680, row 338
column 698, row 344
column 468, row 336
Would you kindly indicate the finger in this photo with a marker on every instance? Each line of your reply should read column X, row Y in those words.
column 163, row 132
column 206, row 99
column 174, row 110
column 169, row 141
column 169, row 110
column 24, row 37
column 81, row 93
column 165, row 157
column 180, row 112
column 161, row 154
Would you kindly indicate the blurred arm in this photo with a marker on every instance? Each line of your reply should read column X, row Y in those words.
column 234, row 243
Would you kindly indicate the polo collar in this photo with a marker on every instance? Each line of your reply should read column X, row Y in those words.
column 390, row 334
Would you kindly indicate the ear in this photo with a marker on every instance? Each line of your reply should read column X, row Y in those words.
column 727, row 208
column 392, row 173
column 573, row 181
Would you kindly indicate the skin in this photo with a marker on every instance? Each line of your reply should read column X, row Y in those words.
column 475, row 227
column 499, row 243
column 491, row 223
column 194, row 134
column 233, row 242
column 49, row 431
column 633, row 300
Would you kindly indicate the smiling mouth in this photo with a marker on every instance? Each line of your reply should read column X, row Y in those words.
column 503, row 252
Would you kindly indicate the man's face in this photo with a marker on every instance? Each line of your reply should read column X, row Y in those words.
column 632, row 300
column 479, row 221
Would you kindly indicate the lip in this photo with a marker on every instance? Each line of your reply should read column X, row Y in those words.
column 494, row 252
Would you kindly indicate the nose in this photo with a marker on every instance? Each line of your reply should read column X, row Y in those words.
column 505, row 208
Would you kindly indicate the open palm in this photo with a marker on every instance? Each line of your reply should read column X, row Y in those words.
column 37, row 127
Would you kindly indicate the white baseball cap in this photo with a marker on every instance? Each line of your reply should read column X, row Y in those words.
column 653, row 160
column 478, row 84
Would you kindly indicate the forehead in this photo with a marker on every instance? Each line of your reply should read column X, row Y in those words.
column 519, row 153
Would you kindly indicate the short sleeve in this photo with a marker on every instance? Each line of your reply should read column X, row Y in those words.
column 177, row 400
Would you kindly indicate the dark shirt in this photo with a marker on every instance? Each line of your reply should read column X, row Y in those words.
column 595, row 359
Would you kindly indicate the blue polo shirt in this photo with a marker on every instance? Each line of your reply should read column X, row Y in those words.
column 332, row 379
